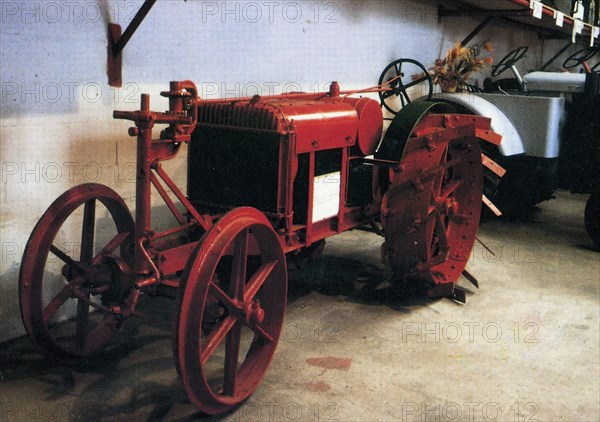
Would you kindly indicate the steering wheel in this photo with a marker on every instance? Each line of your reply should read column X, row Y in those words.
column 580, row 56
column 406, row 74
column 509, row 60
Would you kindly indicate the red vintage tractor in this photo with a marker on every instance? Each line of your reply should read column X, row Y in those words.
column 267, row 177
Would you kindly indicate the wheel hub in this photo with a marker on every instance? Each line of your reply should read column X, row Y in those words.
column 253, row 313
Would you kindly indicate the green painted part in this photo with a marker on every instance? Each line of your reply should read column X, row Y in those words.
column 398, row 133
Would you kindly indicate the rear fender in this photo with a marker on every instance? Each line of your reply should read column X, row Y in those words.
column 512, row 143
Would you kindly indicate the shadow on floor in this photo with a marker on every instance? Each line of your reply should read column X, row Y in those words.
column 99, row 387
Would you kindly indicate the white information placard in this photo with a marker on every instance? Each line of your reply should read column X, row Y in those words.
column 326, row 196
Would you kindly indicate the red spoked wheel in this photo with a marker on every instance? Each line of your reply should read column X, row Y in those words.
column 431, row 210
column 453, row 215
column 73, row 272
column 229, row 310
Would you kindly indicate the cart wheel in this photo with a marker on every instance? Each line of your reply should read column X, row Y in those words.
column 592, row 218
column 406, row 75
column 72, row 272
column 229, row 310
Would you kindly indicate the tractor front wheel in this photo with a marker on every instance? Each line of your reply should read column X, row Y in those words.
column 229, row 310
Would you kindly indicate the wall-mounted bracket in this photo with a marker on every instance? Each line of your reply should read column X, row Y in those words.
column 118, row 41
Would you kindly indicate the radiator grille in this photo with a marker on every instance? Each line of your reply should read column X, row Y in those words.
column 240, row 114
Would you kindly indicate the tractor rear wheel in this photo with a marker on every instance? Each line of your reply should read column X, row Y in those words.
column 432, row 205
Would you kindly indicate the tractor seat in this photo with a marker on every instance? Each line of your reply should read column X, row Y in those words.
column 554, row 82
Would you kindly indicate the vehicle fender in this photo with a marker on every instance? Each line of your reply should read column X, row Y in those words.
column 512, row 143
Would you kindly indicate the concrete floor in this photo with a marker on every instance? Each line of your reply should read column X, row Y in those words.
column 525, row 347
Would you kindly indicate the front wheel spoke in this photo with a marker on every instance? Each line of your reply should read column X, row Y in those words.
column 110, row 247
column 261, row 332
column 66, row 258
column 215, row 338
column 240, row 261
column 83, row 295
column 232, row 351
column 63, row 295
column 400, row 90
column 258, row 279
column 87, row 231
column 222, row 297
column 81, row 323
